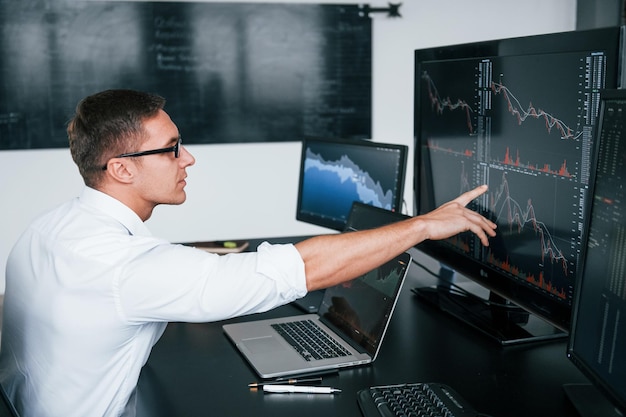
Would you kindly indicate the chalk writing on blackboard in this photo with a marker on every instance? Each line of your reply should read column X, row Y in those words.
column 231, row 72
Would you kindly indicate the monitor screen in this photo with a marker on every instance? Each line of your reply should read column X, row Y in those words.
column 597, row 343
column 516, row 114
column 336, row 172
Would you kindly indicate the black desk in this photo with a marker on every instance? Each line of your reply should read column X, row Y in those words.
column 195, row 371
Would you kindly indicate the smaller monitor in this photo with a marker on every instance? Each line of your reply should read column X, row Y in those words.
column 597, row 342
column 334, row 173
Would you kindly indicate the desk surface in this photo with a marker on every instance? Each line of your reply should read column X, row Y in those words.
column 194, row 370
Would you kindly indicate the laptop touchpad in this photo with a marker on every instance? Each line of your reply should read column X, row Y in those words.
column 263, row 344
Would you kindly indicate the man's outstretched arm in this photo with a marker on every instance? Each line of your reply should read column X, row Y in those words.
column 330, row 259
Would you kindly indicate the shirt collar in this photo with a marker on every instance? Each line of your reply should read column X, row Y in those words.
column 116, row 209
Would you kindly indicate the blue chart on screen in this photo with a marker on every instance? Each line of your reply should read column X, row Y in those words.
column 334, row 185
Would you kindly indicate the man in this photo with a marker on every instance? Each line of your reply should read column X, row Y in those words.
column 89, row 291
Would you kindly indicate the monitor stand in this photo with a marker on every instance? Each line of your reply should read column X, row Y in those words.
column 499, row 319
column 589, row 402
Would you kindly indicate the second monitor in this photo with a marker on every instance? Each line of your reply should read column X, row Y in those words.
column 518, row 115
column 336, row 172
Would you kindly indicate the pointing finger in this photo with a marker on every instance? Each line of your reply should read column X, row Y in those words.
column 468, row 196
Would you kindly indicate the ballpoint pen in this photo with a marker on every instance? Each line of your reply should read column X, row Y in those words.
column 290, row 381
column 299, row 389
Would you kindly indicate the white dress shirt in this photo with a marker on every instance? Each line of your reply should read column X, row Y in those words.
column 89, row 291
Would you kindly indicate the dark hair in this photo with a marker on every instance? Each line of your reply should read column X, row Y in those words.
column 107, row 124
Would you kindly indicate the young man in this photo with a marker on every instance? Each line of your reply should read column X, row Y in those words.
column 89, row 291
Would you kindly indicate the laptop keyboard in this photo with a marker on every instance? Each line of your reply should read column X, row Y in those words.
column 413, row 399
column 309, row 340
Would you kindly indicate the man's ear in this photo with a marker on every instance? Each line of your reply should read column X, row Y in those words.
column 120, row 170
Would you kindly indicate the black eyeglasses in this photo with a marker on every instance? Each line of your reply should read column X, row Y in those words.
column 175, row 149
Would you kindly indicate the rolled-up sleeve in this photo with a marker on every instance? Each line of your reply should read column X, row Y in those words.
column 283, row 264
column 179, row 283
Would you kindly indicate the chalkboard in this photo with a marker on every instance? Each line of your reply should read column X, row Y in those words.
column 231, row 72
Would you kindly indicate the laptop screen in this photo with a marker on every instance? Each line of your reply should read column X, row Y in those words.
column 361, row 308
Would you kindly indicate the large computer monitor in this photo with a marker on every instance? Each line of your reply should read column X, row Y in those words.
column 516, row 114
column 336, row 172
column 597, row 343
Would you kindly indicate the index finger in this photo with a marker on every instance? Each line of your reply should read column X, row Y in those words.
column 468, row 196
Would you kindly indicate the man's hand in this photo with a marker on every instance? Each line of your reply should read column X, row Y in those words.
column 454, row 217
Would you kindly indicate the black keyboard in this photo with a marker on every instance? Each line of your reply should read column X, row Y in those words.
column 413, row 399
column 310, row 340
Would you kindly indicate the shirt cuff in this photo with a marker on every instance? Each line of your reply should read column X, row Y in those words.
column 285, row 266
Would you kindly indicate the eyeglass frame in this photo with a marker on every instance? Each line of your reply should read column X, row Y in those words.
column 175, row 149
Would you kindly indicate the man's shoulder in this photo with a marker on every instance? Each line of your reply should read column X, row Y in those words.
column 72, row 221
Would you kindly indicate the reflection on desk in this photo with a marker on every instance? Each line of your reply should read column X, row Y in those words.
column 195, row 371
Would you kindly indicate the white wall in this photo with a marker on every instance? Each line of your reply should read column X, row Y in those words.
column 249, row 190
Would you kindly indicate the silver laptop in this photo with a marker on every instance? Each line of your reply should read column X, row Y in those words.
column 355, row 315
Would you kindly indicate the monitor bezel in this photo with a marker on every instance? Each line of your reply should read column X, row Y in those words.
column 555, row 312
column 357, row 143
